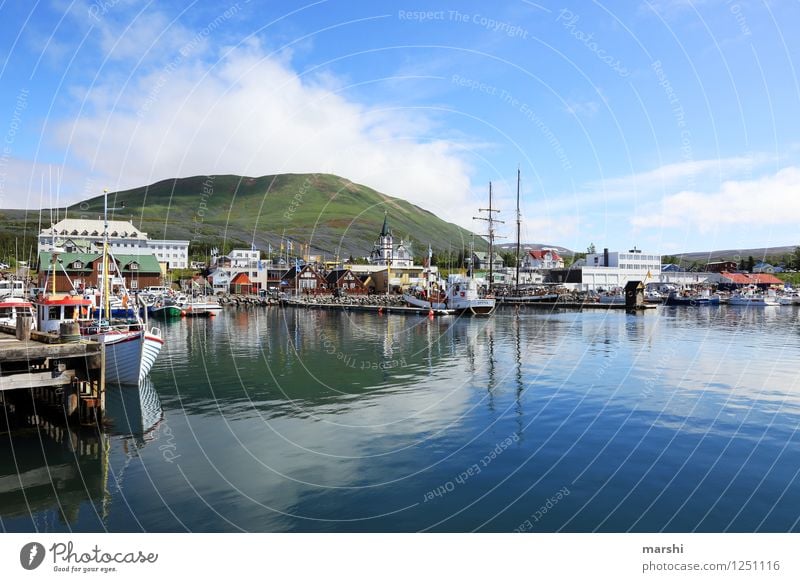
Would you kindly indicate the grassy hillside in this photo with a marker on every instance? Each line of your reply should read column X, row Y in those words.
column 332, row 214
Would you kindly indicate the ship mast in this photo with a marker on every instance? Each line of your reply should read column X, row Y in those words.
column 519, row 220
column 490, row 220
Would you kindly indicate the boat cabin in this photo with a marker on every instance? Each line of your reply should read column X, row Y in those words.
column 53, row 309
column 10, row 309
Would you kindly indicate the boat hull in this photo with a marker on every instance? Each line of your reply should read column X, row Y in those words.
column 166, row 312
column 123, row 355
column 422, row 303
column 673, row 300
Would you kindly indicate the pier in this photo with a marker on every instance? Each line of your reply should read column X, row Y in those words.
column 59, row 373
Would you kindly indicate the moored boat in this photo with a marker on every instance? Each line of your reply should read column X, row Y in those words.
column 691, row 299
column 464, row 298
column 12, row 307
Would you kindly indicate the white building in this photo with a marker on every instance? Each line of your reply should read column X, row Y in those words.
column 173, row 253
column 82, row 235
column 246, row 261
column 386, row 253
column 609, row 270
column 542, row 259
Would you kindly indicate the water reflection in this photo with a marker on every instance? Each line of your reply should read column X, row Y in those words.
column 55, row 477
column 287, row 419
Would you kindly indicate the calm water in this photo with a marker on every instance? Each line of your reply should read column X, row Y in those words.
column 684, row 419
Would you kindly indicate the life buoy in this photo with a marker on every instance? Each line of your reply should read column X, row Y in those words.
column 463, row 294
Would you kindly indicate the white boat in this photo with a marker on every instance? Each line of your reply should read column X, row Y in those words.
column 130, row 349
column 463, row 297
column 653, row 296
column 792, row 299
column 12, row 288
column 752, row 300
column 415, row 301
column 12, row 307
column 201, row 307
column 612, row 299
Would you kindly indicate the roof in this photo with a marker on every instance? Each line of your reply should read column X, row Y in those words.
column 751, row 278
column 124, row 228
column 385, row 227
column 539, row 255
column 147, row 263
column 334, row 276
column 241, row 279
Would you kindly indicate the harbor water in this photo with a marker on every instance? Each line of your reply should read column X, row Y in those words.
column 276, row 420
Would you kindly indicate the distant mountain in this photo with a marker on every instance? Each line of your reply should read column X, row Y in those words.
column 332, row 214
column 758, row 254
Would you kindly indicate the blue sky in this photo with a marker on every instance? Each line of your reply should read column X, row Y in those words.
column 667, row 124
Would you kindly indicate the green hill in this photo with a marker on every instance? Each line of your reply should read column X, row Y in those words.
column 333, row 215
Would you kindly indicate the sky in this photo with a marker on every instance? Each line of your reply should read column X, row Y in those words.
column 669, row 125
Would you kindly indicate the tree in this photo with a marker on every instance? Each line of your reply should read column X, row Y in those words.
column 669, row 260
column 751, row 262
column 796, row 258
column 590, row 250
column 509, row 259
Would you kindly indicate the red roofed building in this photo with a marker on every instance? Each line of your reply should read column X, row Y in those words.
column 744, row 279
column 542, row 259
column 241, row 285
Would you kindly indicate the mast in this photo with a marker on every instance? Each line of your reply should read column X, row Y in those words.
column 491, row 220
column 519, row 220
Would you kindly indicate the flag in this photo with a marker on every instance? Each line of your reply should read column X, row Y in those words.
column 253, row 246
column 289, row 246
column 269, row 249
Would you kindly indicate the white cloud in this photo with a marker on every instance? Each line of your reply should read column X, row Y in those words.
column 772, row 200
column 251, row 114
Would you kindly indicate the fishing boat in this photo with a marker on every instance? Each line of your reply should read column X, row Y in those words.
column 463, row 296
column 12, row 307
column 130, row 348
column 691, row 299
column 164, row 308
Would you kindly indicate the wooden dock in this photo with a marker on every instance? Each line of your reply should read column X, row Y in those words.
column 66, row 374
column 398, row 309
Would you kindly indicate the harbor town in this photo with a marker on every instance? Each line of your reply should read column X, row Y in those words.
column 103, row 287
column 354, row 268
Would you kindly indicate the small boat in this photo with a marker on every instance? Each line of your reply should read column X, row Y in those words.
column 653, row 297
column 162, row 307
column 201, row 307
column 790, row 299
column 12, row 307
column 612, row 299
column 691, row 300
column 752, row 300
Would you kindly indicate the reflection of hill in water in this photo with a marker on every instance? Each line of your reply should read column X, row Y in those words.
column 260, row 358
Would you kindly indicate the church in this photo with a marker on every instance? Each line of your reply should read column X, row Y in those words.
column 385, row 253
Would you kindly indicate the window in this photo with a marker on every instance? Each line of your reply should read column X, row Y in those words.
column 134, row 266
column 77, row 265
column 134, row 284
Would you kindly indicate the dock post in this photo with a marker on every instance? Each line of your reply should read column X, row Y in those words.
column 24, row 326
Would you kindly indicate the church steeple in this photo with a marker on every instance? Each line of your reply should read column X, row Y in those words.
column 385, row 228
